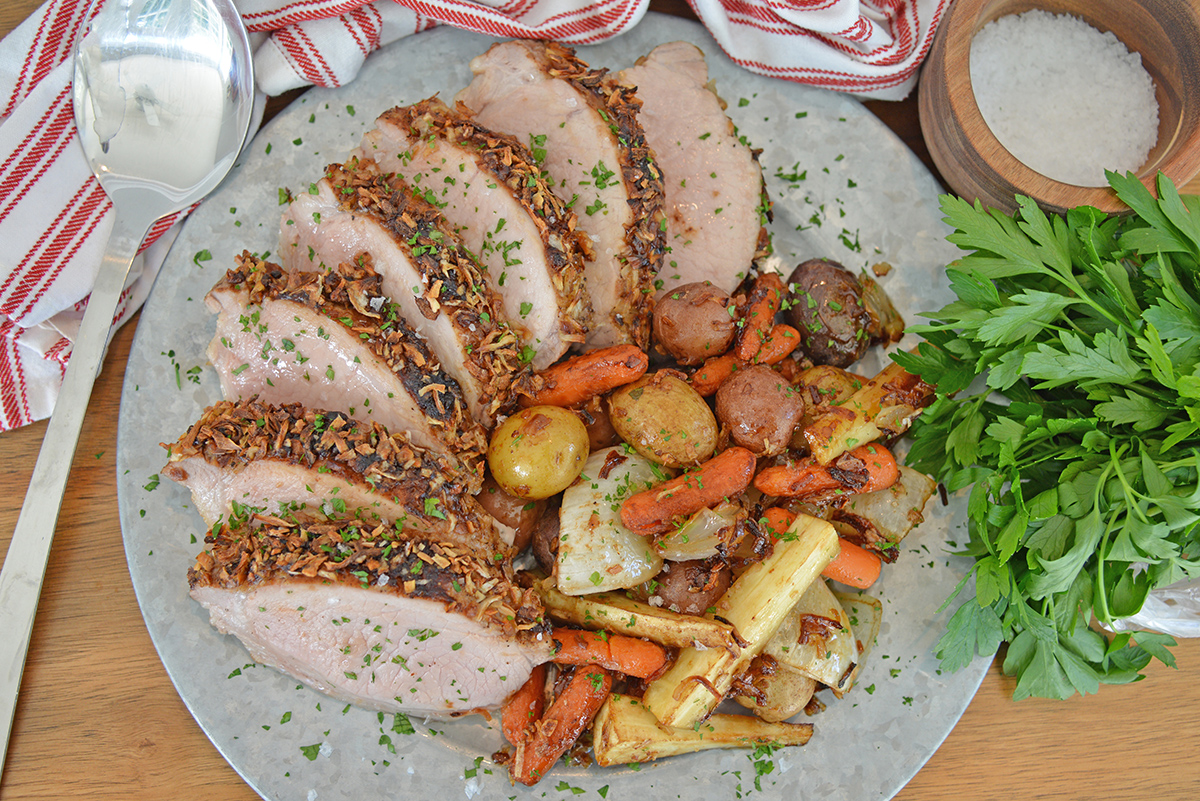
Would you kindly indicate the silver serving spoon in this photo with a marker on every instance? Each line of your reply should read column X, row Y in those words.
column 164, row 91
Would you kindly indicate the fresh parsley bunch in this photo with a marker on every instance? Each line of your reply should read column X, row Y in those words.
column 1068, row 400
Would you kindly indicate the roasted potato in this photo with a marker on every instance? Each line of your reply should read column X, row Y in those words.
column 664, row 420
column 691, row 588
column 825, row 305
column 594, row 415
column 759, row 409
column 693, row 322
column 520, row 515
column 538, row 451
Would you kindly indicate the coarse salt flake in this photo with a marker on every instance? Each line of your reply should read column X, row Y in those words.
column 1067, row 100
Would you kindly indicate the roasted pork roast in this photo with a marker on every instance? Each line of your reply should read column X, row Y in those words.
column 713, row 185
column 489, row 188
column 434, row 282
column 385, row 622
column 331, row 340
column 283, row 458
column 583, row 128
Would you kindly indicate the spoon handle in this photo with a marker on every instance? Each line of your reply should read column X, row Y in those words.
column 25, row 564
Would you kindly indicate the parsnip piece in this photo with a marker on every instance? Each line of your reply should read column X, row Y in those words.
column 613, row 612
column 828, row 436
column 626, row 731
column 596, row 552
column 755, row 606
column 888, row 403
column 780, row 692
column 829, row 659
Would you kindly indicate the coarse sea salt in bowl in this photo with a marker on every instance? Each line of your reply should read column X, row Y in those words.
column 1060, row 140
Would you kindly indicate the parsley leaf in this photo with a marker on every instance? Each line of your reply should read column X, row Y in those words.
column 1081, row 446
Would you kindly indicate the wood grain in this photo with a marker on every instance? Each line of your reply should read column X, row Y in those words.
column 99, row 719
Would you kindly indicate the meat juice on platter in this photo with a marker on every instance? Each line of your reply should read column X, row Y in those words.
column 350, row 544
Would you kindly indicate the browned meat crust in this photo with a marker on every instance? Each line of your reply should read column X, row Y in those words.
column 453, row 282
column 351, row 296
column 255, row 549
column 646, row 234
column 513, row 165
column 231, row 435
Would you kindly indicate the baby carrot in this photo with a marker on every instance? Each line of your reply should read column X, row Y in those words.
column 778, row 345
column 778, row 520
column 580, row 378
column 524, row 708
column 759, row 315
column 870, row 467
column 629, row 655
column 655, row 510
column 854, row 565
column 562, row 724
column 708, row 379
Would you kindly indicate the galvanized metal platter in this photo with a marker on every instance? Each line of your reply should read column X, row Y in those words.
column 844, row 188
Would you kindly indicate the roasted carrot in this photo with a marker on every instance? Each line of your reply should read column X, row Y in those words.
column 524, row 708
column 870, row 467
column 580, row 378
column 565, row 719
column 758, row 316
column 629, row 655
column 713, row 373
column 655, row 510
column 778, row 520
column 881, row 465
column 778, row 345
column 854, row 565
column 798, row 479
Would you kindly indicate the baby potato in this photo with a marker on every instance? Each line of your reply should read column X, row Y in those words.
column 694, row 322
column 664, row 420
column 823, row 387
column 759, row 409
column 827, row 309
column 691, row 588
column 538, row 452
column 518, row 515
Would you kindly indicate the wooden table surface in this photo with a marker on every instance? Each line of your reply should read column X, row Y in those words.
column 98, row 718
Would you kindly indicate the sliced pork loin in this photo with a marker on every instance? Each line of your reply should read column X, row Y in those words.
column 256, row 455
column 434, row 282
column 495, row 197
column 715, row 201
column 333, row 341
column 397, row 625
column 587, row 127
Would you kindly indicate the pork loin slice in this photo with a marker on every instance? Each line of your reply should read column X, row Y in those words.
column 434, row 282
column 396, row 625
column 587, row 126
column 333, row 341
column 495, row 197
column 252, row 454
column 712, row 181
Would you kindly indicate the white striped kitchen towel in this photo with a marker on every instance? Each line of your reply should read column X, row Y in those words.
column 55, row 219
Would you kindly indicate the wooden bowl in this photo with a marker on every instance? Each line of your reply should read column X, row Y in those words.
column 976, row 166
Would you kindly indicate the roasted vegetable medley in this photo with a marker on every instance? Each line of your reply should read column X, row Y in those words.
column 690, row 511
